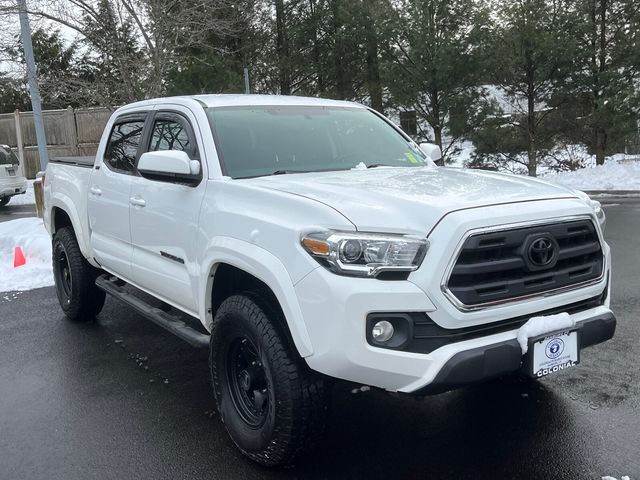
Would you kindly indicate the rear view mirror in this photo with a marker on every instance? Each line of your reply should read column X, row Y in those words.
column 169, row 165
column 432, row 151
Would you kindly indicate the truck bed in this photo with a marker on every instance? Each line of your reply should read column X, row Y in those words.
column 70, row 186
column 87, row 161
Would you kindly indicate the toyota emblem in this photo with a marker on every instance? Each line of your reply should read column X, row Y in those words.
column 542, row 251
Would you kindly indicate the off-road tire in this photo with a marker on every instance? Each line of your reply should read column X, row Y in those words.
column 77, row 293
column 4, row 201
column 296, row 402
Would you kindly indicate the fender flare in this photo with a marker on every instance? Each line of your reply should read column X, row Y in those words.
column 264, row 266
column 65, row 204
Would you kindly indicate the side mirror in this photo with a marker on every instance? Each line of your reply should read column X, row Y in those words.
column 173, row 164
column 433, row 151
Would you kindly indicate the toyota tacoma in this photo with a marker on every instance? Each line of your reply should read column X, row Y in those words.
column 312, row 240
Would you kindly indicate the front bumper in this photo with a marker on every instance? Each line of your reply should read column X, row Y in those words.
column 491, row 361
column 335, row 310
column 9, row 188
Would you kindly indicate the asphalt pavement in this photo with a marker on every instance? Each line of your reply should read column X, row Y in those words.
column 11, row 212
column 122, row 399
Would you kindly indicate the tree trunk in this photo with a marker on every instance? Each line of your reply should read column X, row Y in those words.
column 437, row 134
column 373, row 67
column 342, row 85
column 601, row 132
column 282, row 47
column 317, row 63
column 532, row 153
column 601, row 145
column 533, row 160
column 435, row 121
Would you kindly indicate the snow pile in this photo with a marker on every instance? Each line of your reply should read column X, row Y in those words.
column 27, row 198
column 537, row 326
column 31, row 236
column 613, row 175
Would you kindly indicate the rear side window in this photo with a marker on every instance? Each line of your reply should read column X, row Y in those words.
column 123, row 145
column 172, row 134
column 7, row 157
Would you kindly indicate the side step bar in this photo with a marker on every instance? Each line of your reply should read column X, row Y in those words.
column 172, row 323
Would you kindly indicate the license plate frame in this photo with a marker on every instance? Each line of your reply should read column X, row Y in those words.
column 552, row 352
column 11, row 172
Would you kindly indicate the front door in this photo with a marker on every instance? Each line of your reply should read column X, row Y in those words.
column 164, row 218
column 109, row 194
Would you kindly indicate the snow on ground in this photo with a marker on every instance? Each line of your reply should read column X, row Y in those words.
column 27, row 198
column 31, row 236
column 619, row 172
column 613, row 175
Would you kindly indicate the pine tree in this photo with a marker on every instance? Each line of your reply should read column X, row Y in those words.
column 57, row 68
column 435, row 62
column 533, row 50
column 608, row 72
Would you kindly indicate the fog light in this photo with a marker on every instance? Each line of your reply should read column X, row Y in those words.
column 382, row 331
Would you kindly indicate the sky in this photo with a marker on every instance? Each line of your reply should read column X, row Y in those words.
column 10, row 31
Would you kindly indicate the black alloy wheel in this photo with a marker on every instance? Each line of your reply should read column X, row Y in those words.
column 250, row 388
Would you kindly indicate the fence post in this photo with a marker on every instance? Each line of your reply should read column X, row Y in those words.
column 72, row 129
column 19, row 144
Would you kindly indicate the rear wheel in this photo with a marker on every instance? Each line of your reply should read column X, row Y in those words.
column 4, row 201
column 75, row 278
column 272, row 405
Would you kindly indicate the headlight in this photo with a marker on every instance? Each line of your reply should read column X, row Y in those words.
column 365, row 254
column 596, row 206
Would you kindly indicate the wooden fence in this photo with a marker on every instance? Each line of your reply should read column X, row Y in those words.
column 69, row 132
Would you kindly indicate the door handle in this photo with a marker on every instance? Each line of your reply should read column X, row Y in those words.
column 137, row 201
column 96, row 191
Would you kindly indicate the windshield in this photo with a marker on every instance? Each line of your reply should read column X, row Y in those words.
column 7, row 157
column 256, row 141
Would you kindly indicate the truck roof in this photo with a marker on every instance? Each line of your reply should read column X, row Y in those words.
column 232, row 100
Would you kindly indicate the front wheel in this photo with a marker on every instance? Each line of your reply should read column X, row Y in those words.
column 4, row 201
column 272, row 405
column 75, row 278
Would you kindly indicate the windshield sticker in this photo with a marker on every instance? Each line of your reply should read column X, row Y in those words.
column 412, row 158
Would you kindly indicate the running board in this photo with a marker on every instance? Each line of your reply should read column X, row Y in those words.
column 169, row 322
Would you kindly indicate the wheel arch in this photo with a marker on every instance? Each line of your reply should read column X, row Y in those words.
column 60, row 219
column 64, row 214
column 239, row 266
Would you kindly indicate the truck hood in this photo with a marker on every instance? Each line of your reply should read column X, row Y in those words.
column 409, row 199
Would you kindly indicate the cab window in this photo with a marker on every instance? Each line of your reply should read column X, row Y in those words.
column 172, row 134
column 123, row 145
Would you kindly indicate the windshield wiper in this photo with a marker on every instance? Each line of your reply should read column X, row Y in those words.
column 284, row 172
column 376, row 165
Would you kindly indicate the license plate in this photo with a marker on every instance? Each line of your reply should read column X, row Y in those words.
column 554, row 352
column 11, row 172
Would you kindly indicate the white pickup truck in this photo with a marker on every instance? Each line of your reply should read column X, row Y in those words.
column 314, row 240
column 11, row 182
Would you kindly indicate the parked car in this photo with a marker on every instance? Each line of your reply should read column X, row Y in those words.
column 11, row 182
column 315, row 241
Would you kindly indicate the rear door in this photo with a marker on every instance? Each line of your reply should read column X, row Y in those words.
column 109, row 195
column 165, row 213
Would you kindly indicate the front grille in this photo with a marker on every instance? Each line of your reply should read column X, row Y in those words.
column 499, row 266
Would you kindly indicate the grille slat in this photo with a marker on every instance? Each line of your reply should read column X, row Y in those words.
column 495, row 267
column 489, row 266
column 584, row 249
